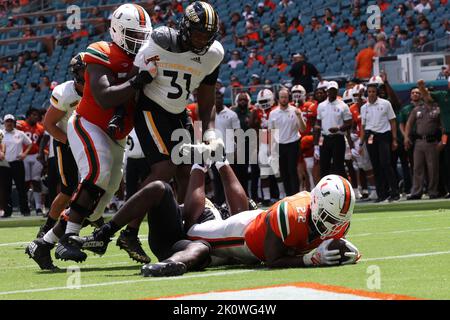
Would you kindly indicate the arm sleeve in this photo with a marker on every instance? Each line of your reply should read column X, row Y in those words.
column 313, row 70
column 390, row 112
column 347, row 114
column 363, row 115
column 98, row 53
column 282, row 221
column 25, row 140
column 57, row 99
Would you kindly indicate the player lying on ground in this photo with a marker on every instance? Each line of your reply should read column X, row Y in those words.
column 294, row 232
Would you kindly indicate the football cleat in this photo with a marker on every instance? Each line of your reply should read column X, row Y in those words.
column 67, row 249
column 132, row 245
column 39, row 251
column 96, row 242
column 167, row 268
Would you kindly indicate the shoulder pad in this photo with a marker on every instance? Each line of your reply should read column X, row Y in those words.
column 166, row 38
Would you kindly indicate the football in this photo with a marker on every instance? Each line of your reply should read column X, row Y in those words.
column 339, row 244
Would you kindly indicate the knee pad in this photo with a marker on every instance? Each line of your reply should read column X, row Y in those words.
column 86, row 198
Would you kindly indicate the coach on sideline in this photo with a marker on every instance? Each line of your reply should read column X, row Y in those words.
column 14, row 141
column 288, row 120
column 380, row 134
column 333, row 120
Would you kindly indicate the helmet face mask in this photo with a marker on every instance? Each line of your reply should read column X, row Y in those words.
column 298, row 94
column 77, row 68
column 265, row 99
column 130, row 27
column 199, row 27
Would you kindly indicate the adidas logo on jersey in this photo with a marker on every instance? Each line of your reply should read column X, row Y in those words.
column 196, row 59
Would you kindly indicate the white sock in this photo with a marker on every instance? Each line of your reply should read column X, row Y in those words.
column 37, row 200
column 281, row 189
column 266, row 193
column 196, row 166
column 73, row 227
column 220, row 164
column 50, row 237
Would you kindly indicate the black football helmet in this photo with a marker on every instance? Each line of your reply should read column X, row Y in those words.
column 77, row 67
column 198, row 27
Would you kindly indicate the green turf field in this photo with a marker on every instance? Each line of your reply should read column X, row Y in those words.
column 407, row 243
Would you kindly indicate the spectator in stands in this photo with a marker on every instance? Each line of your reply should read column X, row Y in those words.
column 392, row 45
column 266, row 31
column 329, row 14
column 353, row 43
column 384, row 5
column 423, row 5
column 254, row 56
column 255, row 83
column 363, row 28
column 279, row 63
column 19, row 64
column 234, row 82
column 15, row 86
column 295, row 26
column 315, row 25
column 28, row 33
column 302, row 72
column 222, row 29
column 34, row 86
column 426, row 27
column 60, row 17
column 11, row 22
column 285, row 4
column 396, row 31
column 364, row 62
column 356, row 13
column 235, row 18
column 347, row 28
column 248, row 12
column 380, row 47
column 281, row 19
column 332, row 28
column 412, row 31
column 260, row 9
column 157, row 15
column 270, row 4
column 251, row 27
column 273, row 36
column 284, row 31
column 235, row 60
column 177, row 6
column 45, row 83
column 423, row 44
column 17, row 146
column 62, row 36
column 404, row 40
column 41, row 20
column 401, row 9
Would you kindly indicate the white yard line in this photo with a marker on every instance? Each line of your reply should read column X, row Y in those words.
column 93, row 285
column 407, row 256
column 395, row 232
column 356, row 217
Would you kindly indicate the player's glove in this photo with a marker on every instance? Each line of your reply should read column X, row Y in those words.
column 116, row 124
column 317, row 152
column 353, row 255
column 216, row 144
column 322, row 256
column 148, row 71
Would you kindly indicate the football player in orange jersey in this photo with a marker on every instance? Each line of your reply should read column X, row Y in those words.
column 294, row 232
column 111, row 85
column 33, row 167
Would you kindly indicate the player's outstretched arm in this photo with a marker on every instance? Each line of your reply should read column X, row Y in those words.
column 103, row 88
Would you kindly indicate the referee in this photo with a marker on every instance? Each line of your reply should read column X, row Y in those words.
column 333, row 120
column 380, row 134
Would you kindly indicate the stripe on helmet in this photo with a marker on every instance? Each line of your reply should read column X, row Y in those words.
column 142, row 21
column 347, row 197
column 209, row 12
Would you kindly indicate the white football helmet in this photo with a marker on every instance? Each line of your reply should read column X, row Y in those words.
column 298, row 93
column 130, row 27
column 332, row 203
column 376, row 80
column 265, row 99
column 323, row 85
column 357, row 90
column 347, row 97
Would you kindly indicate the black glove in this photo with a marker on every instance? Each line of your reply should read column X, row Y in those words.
column 141, row 79
column 116, row 124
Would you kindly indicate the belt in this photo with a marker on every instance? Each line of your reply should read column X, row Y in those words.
column 428, row 138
